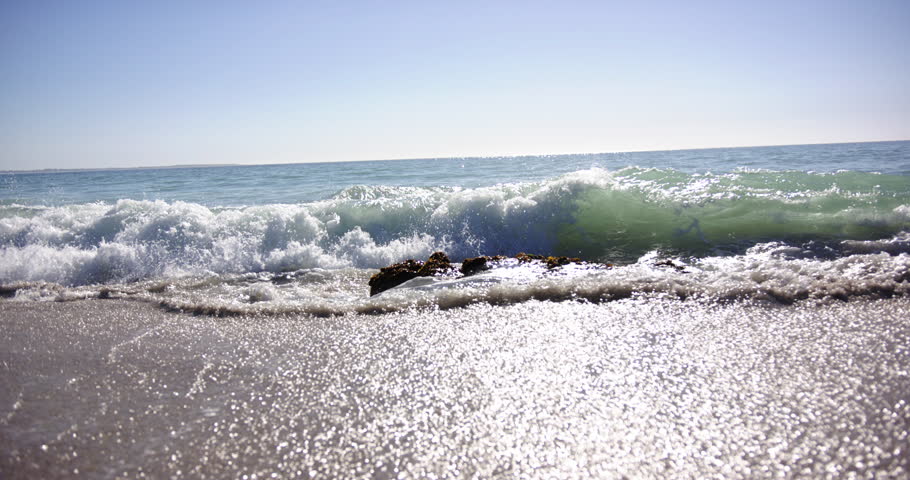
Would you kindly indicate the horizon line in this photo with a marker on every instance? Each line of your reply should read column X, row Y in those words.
column 218, row 165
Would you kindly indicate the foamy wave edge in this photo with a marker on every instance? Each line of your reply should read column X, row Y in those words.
column 767, row 273
column 594, row 214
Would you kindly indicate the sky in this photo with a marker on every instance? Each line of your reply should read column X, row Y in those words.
column 93, row 84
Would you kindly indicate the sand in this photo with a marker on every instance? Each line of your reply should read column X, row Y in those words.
column 637, row 388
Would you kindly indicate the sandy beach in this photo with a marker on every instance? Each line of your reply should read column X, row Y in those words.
column 455, row 240
column 637, row 388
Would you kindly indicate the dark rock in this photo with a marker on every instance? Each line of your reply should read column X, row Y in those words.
column 471, row 266
column 528, row 257
column 393, row 275
column 553, row 262
column 437, row 264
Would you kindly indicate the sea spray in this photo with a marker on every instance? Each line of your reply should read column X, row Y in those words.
column 594, row 214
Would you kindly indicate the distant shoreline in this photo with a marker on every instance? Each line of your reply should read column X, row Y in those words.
column 217, row 165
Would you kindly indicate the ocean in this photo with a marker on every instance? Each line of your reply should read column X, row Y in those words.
column 737, row 313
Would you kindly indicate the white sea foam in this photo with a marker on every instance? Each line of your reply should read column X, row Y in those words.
column 903, row 212
column 768, row 273
column 594, row 213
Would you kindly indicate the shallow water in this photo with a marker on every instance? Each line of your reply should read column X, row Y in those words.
column 644, row 387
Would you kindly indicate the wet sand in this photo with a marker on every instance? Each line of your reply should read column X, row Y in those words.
column 637, row 388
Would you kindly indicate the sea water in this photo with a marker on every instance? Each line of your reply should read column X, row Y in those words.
column 782, row 223
column 739, row 313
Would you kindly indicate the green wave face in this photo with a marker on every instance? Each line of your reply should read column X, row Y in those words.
column 594, row 214
column 701, row 214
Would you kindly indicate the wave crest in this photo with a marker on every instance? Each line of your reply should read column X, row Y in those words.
column 594, row 214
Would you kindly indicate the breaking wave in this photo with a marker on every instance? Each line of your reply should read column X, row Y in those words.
column 594, row 214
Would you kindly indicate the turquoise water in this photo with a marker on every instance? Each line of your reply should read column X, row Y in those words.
column 266, row 184
column 808, row 216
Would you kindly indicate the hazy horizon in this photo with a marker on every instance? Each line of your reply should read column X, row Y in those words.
column 103, row 85
column 528, row 155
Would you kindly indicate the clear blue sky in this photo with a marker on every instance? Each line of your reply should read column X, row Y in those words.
column 120, row 84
